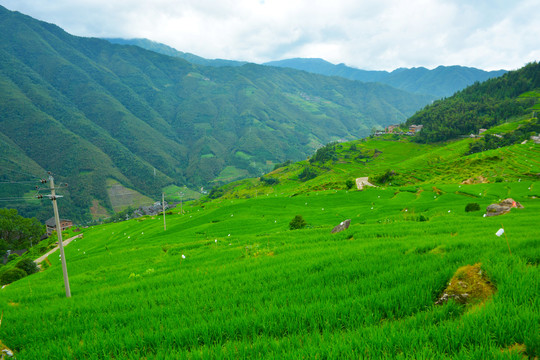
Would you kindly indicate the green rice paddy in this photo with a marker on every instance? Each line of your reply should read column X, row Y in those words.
column 229, row 280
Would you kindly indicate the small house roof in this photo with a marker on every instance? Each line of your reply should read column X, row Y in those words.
column 52, row 222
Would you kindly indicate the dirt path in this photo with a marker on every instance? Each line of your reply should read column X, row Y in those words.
column 361, row 182
column 65, row 242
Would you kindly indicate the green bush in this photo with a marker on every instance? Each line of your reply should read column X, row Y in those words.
column 297, row 222
column 269, row 181
column 384, row 178
column 12, row 275
column 349, row 183
column 472, row 207
column 307, row 174
column 216, row 193
column 12, row 257
column 28, row 265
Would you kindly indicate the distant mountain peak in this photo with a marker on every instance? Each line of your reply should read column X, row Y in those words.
column 440, row 82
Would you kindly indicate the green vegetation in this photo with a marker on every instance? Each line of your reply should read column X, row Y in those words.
column 242, row 284
column 472, row 207
column 11, row 275
column 413, row 277
column 324, row 154
column 440, row 82
column 480, row 106
column 18, row 232
column 28, row 266
column 521, row 133
column 148, row 120
column 177, row 193
column 371, row 289
column 297, row 222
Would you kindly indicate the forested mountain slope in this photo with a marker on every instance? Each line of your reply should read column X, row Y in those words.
column 167, row 50
column 91, row 111
column 481, row 105
column 440, row 82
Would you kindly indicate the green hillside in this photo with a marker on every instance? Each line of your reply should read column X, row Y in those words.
column 91, row 111
column 408, row 164
column 482, row 105
column 228, row 279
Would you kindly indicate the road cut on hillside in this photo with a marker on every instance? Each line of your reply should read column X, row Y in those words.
column 65, row 242
column 361, row 182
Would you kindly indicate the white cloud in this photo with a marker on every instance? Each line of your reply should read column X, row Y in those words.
column 385, row 34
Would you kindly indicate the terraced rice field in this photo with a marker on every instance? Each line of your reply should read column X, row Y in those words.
column 228, row 279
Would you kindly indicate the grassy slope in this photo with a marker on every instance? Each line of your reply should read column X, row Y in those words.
column 414, row 164
column 262, row 290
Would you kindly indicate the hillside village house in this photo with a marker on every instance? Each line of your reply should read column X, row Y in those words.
column 415, row 128
column 51, row 225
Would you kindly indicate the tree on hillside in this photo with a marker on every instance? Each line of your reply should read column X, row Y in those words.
column 17, row 232
column 297, row 222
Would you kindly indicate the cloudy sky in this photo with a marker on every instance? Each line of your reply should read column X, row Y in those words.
column 372, row 35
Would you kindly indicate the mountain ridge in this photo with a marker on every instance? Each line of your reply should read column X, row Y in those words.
column 148, row 120
column 417, row 80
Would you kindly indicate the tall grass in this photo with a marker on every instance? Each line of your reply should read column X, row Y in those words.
column 247, row 287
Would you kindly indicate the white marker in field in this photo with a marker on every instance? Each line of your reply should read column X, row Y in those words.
column 183, row 256
column 500, row 232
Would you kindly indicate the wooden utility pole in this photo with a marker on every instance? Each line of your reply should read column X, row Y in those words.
column 181, row 194
column 163, row 205
column 59, row 233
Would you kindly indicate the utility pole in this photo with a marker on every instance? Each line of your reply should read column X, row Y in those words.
column 59, row 233
column 163, row 204
column 181, row 194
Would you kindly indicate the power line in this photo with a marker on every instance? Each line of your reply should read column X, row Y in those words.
column 18, row 199
column 18, row 182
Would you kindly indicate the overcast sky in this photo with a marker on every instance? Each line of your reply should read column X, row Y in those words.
column 372, row 35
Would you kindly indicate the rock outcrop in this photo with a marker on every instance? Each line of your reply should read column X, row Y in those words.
column 344, row 225
column 503, row 207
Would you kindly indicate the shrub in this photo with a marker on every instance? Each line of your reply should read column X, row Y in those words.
column 12, row 257
column 384, row 178
column 325, row 153
column 12, row 275
column 307, row 174
column 216, row 193
column 349, row 184
column 29, row 266
column 297, row 222
column 472, row 207
column 286, row 163
column 269, row 181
